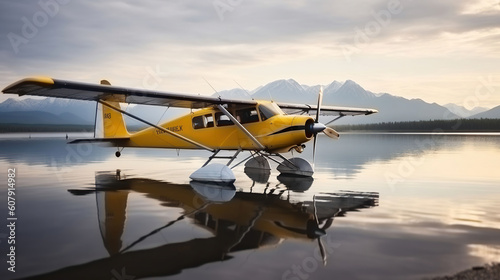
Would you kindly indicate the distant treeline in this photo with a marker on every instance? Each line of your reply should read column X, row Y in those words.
column 9, row 128
column 465, row 125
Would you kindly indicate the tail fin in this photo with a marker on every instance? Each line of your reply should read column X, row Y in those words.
column 113, row 122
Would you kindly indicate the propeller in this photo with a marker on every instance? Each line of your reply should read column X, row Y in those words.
column 317, row 127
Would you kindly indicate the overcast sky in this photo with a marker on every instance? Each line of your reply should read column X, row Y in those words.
column 441, row 51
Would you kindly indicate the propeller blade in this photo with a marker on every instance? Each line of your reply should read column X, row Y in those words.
column 330, row 132
column 314, row 149
column 320, row 100
column 322, row 250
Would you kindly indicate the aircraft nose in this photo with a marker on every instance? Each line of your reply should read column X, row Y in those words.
column 318, row 127
column 314, row 128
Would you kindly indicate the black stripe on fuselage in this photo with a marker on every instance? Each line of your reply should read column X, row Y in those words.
column 288, row 129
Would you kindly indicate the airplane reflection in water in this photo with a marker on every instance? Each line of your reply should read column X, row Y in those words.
column 237, row 221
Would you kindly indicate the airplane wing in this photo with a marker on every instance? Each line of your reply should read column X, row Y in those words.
column 325, row 110
column 45, row 86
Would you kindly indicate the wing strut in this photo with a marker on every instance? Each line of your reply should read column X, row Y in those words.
column 340, row 116
column 158, row 127
column 95, row 117
column 241, row 127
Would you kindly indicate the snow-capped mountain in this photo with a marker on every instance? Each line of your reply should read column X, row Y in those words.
column 12, row 104
column 47, row 111
column 332, row 87
column 391, row 108
column 83, row 110
column 282, row 90
column 235, row 93
column 347, row 94
column 40, row 117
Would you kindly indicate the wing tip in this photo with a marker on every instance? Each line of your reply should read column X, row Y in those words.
column 37, row 80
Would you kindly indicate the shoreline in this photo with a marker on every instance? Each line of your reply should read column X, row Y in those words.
column 486, row 272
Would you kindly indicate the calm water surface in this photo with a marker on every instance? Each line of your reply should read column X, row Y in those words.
column 388, row 206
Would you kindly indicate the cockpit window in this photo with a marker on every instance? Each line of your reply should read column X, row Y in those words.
column 247, row 115
column 269, row 110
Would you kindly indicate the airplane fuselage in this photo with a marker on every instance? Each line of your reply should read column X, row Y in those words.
column 210, row 127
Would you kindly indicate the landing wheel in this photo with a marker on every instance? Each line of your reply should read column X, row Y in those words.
column 118, row 154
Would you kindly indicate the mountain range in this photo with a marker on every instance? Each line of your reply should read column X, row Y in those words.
column 349, row 93
column 464, row 112
column 47, row 111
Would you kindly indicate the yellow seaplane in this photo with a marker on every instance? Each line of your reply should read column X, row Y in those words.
column 265, row 128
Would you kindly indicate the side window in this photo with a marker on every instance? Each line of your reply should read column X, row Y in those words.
column 248, row 115
column 198, row 122
column 222, row 120
column 203, row 121
column 210, row 120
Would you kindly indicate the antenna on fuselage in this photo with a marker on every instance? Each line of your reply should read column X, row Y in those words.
column 270, row 96
column 246, row 91
column 212, row 88
column 159, row 120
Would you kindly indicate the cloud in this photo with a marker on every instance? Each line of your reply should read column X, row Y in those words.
column 104, row 28
column 213, row 36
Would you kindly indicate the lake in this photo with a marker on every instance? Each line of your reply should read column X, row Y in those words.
column 381, row 206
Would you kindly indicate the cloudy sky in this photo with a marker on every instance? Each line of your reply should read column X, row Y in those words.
column 440, row 51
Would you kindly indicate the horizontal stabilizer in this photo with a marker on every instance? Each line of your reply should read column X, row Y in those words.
column 114, row 142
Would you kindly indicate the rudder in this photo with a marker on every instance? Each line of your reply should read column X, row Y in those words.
column 113, row 122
